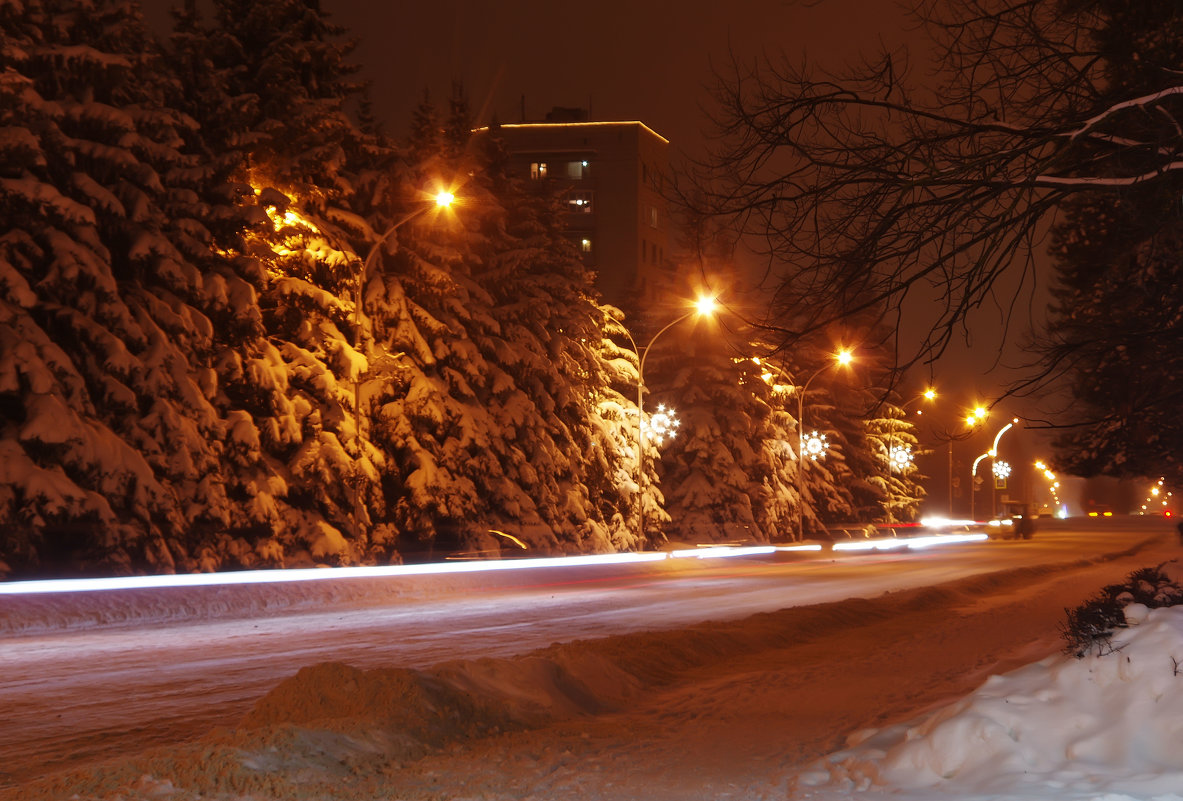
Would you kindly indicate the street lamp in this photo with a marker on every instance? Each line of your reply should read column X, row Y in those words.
column 994, row 463
column 442, row 200
column 1053, row 487
column 897, row 457
column 704, row 306
column 992, row 454
column 972, row 419
column 842, row 358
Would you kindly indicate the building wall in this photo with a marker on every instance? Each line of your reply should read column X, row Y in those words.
column 612, row 175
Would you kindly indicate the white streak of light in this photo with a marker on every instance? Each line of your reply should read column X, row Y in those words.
column 312, row 574
column 908, row 542
column 322, row 573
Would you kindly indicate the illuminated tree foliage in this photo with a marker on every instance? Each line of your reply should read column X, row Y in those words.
column 501, row 415
column 110, row 437
column 189, row 377
column 728, row 474
column 868, row 188
column 852, row 483
column 269, row 84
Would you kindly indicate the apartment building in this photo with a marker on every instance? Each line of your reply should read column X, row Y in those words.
column 611, row 175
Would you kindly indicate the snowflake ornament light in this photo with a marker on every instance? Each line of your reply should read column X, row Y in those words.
column 901, row 457
column 663, row 424
column 815, row 446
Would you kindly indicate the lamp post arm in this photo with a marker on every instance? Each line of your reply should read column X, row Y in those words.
column 640, row 400
column 365, row 265
column 801, row 410
column 387, row 234
column 641, row 424
column 645, row 355
column 977, row 461
column 998, row 436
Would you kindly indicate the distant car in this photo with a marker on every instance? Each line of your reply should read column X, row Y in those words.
column 1100, row 510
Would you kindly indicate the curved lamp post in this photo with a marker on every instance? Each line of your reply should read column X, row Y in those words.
column 704, row 306
column 842, row 358
column 977, row 416
column 897, row 456
column 992, row 453
column 442, row 200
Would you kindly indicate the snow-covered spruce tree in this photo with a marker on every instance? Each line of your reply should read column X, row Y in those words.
column 308, row 484
column 727, row 474
column 860, row 423
column 1115, row 328
column 863, row 423
column 554, row 339
column 826, row 479
column 876, row 484
column 1118, row 321
column 110, row 443
column 490, row 418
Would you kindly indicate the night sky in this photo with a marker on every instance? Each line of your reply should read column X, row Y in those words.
column 628, row 60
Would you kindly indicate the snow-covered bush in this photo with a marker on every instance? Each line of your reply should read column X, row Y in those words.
column 1090, row 626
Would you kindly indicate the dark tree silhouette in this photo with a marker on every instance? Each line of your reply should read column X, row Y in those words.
column 867, row 188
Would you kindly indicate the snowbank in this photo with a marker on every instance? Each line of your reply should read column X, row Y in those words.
column 1106, row 726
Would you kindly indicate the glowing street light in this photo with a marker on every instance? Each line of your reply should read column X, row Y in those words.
column 971, row 421
column 1159, row 496
column 442, row 200
column 992, row 454
column 1053, row 488
column 704, row 306
column 841, row 359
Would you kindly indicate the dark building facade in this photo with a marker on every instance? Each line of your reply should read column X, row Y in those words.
column 611, row 175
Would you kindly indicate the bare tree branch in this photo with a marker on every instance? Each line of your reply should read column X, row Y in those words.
column 867, row 188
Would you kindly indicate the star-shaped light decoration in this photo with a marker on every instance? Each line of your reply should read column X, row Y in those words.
column 663, row 424
column 901, row 457
column 815, row 446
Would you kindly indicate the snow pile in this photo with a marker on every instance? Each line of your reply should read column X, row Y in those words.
column 1107, row 726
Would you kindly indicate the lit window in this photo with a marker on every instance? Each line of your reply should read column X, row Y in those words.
column 653, row 216
column 538, row 170
column 580, row 201
column 575, row 169
column 585, row 245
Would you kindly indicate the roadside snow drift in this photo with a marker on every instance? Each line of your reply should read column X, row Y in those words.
column 1106, row 726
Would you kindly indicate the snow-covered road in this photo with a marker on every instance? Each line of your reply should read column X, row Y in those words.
column 87, row 677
